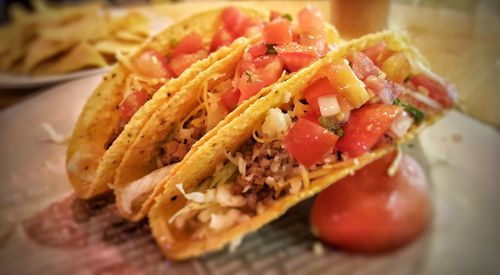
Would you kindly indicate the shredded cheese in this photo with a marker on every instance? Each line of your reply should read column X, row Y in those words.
column 393, row 168
column 197, row 197
column 235, row 244
column 305, row 176
column 53, row 134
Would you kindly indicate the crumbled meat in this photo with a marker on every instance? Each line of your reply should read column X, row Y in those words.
column 267, row 164
column 176, row 148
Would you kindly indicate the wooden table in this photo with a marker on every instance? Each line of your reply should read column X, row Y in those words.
column 460, row 38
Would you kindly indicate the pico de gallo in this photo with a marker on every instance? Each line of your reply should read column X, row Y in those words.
column 367, row 100
column 284, row 46
column 151, row 68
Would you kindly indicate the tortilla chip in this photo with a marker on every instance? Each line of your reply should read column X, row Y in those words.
column 202, row 160
column 80, row 57
column 43, row 49
column 132, row 22
column 90, row 28
column 130, row 36
column 111, row 47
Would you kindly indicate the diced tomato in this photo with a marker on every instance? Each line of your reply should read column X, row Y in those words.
column 264, row 60
column 230, row 99
column 296, row 56
column 255, row 79
column 191, row 43
column 365, row 127
column 277, row 32
column 308, row 142
column 436, row 91
column 371, row 211
column 257, row 50
column 275, row 14
column 257, row 73
column 311, row 21
column 311, row 116
column 378, row 53
column 181, row 62
column 318, row 43
column 235, row 21
column 131, row 104
column 221, row 38
column 317, row 89
column 152, row 64
column 362, row 65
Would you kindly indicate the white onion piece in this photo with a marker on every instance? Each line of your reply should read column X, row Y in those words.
column 276, row 123
column 386, row 95
column 142, row 186
column 424, row 99
column 328, row 105
column 401, row 125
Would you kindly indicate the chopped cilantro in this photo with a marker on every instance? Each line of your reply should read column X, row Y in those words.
column 270, row 49
column 249, row 76
column 173, row 42
column 331, row 125
column 408, row 77
column 339, row 132
column 287, row 16
column 413, row 111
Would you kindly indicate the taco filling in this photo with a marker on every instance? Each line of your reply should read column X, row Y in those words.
column 151, row 68
column 352, row 106
column 284, row 48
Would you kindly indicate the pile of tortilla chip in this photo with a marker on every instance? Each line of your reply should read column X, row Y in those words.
column 53, row 41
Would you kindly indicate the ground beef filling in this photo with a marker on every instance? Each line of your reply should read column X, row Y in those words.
column 268, row 165
column 177, row 147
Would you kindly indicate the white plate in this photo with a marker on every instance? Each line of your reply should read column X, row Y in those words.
column 10, row 81
column 461, row 157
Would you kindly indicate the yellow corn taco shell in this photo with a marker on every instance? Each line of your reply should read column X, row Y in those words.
column 211, row 152
column 98, row 124
column 138, row 174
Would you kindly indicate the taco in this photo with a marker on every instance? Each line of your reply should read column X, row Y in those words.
column 283, row 48
column 328, row 120
column 156, row 71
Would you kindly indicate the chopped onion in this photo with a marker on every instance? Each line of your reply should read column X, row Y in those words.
column 386, row 95
column 328, row 105
column 424, row 99
column 276, row 123
column 401, row 125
